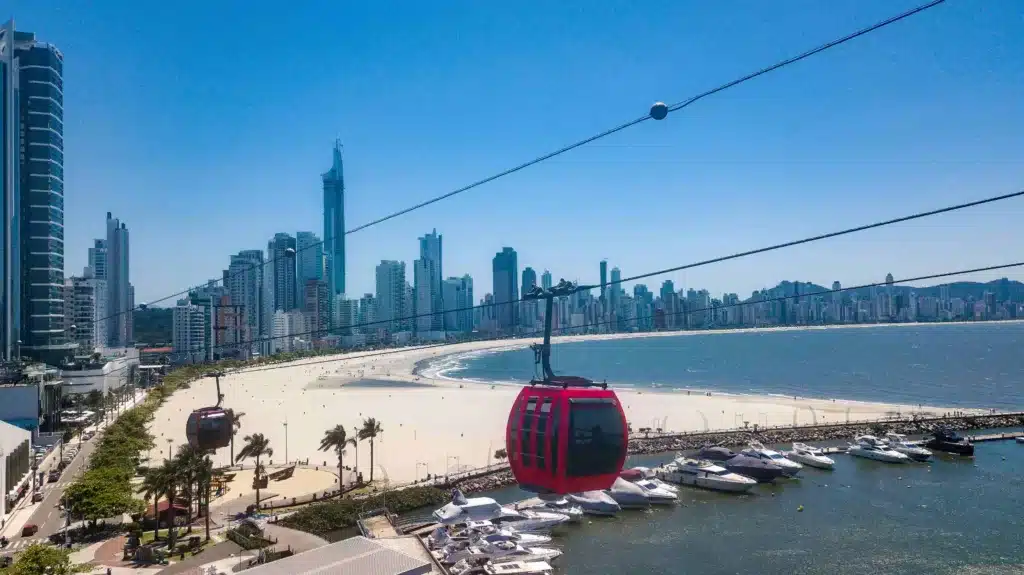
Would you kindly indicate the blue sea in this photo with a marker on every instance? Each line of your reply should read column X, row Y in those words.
column 953, row 365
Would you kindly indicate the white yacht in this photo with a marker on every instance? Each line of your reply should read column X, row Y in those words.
column 561, row 506
column 758, row 451
column 810, row 456
column 628, row 495
column 870, row 447
column 462, row 510
column 704, row 474
column 442, row 536
column 497, row 552
column 1020, row 439
column 483, row 567
column 594, row 502
column 635, row 474
column 913, row 450
column 656, row 493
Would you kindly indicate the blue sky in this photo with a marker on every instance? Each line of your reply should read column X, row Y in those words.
column 205, row 126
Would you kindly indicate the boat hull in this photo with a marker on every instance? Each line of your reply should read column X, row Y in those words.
column 875, row 456
column 951, row 447
column 817, row 463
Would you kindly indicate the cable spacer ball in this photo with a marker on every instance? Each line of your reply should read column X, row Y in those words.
column 659, row 111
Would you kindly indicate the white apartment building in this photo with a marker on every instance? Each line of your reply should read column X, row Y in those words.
column 291, row 332
column 189, row 333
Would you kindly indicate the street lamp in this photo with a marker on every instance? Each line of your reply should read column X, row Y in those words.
column 286, row 442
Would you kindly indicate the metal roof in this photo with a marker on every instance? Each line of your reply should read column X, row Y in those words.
column 355, row 556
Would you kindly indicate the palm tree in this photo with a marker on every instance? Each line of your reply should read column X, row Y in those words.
column 370, row 430
column 236, row 424
column 337, row 439
column 170, row 472
column 256, row 446
column 189, row 462
column 204, row 477
column 153, row 487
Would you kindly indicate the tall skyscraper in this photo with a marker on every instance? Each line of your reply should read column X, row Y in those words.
column 32, row 172
column 279, row 277
column 391, row 296
column 427, row 281
column 529, row 279
column 614, row 291
column 505, row 270
column 309, row 257
column 458, row 297
column 118, row 297
column 604, row 278
column 545, row 280
column 244, row 281
column 334, row 223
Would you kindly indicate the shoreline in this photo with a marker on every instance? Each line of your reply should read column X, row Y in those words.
column 435, row 426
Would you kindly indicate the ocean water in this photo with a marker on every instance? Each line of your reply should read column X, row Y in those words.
column 949, row 365
column 949, row 516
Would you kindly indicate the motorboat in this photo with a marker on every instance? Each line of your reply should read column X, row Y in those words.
column 628, row 495
column 911, row 449
column 442, row 536
column 758, row 451
column 497, row 552
column 594, row 502
column 705, row 474
column 657, row 494
column 560, row 505
column 870, row 447
column 945, row 439
column 810, row 456
column 486, row 567
column 464, row 509
column 636, row 474
column 1020, row 439
column 754, row 468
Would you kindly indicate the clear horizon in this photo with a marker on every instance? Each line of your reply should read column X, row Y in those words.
column 209, row 146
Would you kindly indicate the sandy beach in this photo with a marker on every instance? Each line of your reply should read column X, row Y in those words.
column 434, row 425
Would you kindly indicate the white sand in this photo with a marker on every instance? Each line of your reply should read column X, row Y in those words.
column 442, row 425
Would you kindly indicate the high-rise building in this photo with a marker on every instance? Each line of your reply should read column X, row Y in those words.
column 604, row 278
column 279, row 275
column 32, row 172
column 458, row 304
column 316, row 305
column 427, row 283
column 529, row 280
column 244, row 282
column 309, row 257
column 80, row 307
column 334, row 223
column 545, row 280
column 391, row 296
column 614, row 297
column 505, row 270
column 189, row 332
column 120, row 322
column 98, row 259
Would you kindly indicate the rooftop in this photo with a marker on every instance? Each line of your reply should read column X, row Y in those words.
column 355, row 556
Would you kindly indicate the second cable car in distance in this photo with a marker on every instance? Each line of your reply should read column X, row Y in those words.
column 565, row 434
column 210, row 428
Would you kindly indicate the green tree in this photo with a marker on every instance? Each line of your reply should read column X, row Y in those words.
column 153, row 486
column 39, row 559
column 500, row 453
column 370, row 430
column 337, row 439
column 102, row 492
column 256, row 446
column 171, row 473
column 236, row 424
column 189, row 463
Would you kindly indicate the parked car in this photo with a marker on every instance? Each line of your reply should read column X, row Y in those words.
column 29, row 530
column 37, row 497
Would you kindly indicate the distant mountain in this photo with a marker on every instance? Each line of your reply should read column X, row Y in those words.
column 154, row 326
column 1005, row 289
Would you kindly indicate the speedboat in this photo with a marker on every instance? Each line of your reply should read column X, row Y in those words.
column 705, row 474
column 486, row 567
column 561, row 505
column 529, row 520
column 496, row 552
column 945, row 439
column 637, row 474
column 628, row 495
column 811, row 456
column 1020, row 439
column 657, row 494
column 899, row 442
column 758, row 451
column 757, row 469
column 594, row 502
column 870, row 447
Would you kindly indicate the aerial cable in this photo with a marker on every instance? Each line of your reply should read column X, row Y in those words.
column 658, row 111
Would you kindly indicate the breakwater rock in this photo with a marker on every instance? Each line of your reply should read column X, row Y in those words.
column 496, row 480
column 814, row 433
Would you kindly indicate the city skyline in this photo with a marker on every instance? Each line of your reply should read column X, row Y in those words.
column 854, row 136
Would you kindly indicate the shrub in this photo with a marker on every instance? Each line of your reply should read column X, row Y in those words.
column 323, row 518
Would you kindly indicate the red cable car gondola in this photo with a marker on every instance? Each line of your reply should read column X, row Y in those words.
column 210, row 428
column 565, row 434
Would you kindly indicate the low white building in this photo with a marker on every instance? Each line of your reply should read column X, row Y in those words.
column 291, row 332
column 116, row 367
column 30, row 396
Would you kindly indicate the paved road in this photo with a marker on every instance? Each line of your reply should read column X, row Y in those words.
column 47, row 515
